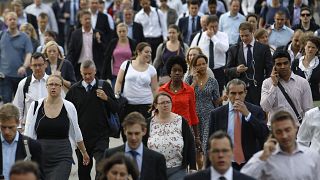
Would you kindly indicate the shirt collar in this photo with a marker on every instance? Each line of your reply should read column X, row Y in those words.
column 251, row 43
column 215, row 174
column 313, row 64
column 91, row 31
column 138, row 150
column 230, row 107
column 229, row 15
column 84, row 84
column 167, row 85
column 299, row 149
column 16, row 138
column 284, row 27
column 45, row 77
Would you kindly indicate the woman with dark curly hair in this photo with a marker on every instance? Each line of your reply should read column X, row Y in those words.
column 183, row 97
column 118, row 167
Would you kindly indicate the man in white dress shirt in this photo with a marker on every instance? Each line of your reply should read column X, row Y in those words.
column 282, row 157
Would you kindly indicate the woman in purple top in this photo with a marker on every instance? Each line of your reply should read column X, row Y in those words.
column 119, row 50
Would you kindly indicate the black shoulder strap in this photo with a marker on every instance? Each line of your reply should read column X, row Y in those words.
column 290, row 101
column 25, row 91
column 199, row 38
column 124, row 75
column 35, row 107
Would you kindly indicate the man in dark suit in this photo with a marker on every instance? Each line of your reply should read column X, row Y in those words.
column 100, row 21
column 244, row 122
column 151, row 164
column 86, row 44
column 249, row 61
column 220, row 155
column 135, row 30
column 12, row 142
column 191, row 23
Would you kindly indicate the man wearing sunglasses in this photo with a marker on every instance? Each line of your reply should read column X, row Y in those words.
column 307, row 22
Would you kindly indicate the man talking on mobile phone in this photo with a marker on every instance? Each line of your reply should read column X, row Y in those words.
column 284, row 90
column 282, row 157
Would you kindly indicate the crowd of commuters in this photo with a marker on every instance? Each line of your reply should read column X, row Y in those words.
column 231, row 83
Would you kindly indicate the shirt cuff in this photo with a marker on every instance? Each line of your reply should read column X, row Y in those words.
column 247, row 118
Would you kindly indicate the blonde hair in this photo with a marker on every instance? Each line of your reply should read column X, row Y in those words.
column 28, row 27
column 122, row 25
column 49, row 44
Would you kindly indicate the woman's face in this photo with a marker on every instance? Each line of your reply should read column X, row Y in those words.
column 192, row 53
column 122, row 32
column 54, row 86
column 145, row 54
column 201, row 66
column 164, row 104
column 264, row 39
column 173, row 34
column 310, row 49
column 117, row 172
column 176, row 73
column 52, row 52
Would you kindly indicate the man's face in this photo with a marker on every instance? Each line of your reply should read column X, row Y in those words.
column 297, row 2
column 11, row 21
column 18, row 9
column 94, row 5
column 9, row 129
column 235, row 7
column 26, row 176
column 279, row 20
column 43, row 22
column 128, row 15
column 236, row 93
column 295, row 40
column 101, row 7
column 85, row 21
column 37, row 2
column 83, row 4
column 203, row 22
column 193, row 9
column 212, row 28
column 246, row 36
column 305, row 16
column 145, row 4
column 88, row 74
column 220, row 154
column 212, row 8
column 282, row 66
column 285, row 133
column 38, row 67
column 134, row 135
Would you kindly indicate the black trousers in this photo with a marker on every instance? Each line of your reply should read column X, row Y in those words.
column 220, row 77
column 154, row 43
column 95, row 150
column 141, row 108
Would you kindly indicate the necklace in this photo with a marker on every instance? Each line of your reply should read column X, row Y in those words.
column 175, row 90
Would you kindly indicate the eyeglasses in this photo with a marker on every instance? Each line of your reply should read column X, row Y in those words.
column 164, row 103
column 54, row 85
column 37, row 65
column 305, row 15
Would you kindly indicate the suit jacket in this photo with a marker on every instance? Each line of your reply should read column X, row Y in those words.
column 254, row 132
column 75, row 47
column 32, row 19
column 153, row 163
column 137, row 33
column 206, row 175
column 184, row 26
column 103, row 25
column 262, row 68
column 35, row 151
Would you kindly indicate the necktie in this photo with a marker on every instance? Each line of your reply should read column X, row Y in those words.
column 211, row 55
column 237, row 150
column 249, row 56
column 89, row 87
column 222, row 178
column 134, row 156
column 193, row 25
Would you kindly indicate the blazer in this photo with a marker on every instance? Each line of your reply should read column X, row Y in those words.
column 103, row 25
column 35, row 151
column 206, row 175
column 137, row 32
column 75, row 47
column 254, row 132
column 261, row 68
column 32, row 19
column 108, row 63
column 153, row 163
column 184, row 26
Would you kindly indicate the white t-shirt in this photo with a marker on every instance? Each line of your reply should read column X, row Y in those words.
column 137, row 86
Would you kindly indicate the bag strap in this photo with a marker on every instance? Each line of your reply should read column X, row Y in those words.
column 159, row 20
column 290, row 101
column 199, row 38
column 124, row 75
column 26, row 147
column 25, row 91
column 60, row 65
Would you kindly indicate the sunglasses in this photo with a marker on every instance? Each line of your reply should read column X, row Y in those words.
column 306, row 15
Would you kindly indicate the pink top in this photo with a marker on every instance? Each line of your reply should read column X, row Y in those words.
column 120, row 54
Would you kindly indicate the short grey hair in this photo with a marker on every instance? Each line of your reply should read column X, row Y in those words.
column 87, row 64
column 235, row 82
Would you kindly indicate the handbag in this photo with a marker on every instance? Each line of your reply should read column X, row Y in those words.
column 114, row 125
column 123, row 101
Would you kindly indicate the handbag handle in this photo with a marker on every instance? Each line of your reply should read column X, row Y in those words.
column 124, row 75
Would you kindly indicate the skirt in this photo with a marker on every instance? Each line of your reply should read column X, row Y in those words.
column 57, row 158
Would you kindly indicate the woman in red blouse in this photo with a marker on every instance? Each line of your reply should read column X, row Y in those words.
column 183, row 97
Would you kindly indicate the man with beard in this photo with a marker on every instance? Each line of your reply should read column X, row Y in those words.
column 295, row 87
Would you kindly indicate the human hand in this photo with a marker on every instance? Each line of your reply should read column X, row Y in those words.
column 98, row 36
column 274, row 76
column 241, row 68
column 102, row 95
column 85, row 159
column 241, row 107
column 22, row 71
column 268, row 147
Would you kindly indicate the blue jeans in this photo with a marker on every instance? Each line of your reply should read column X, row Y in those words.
column 8, row 88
